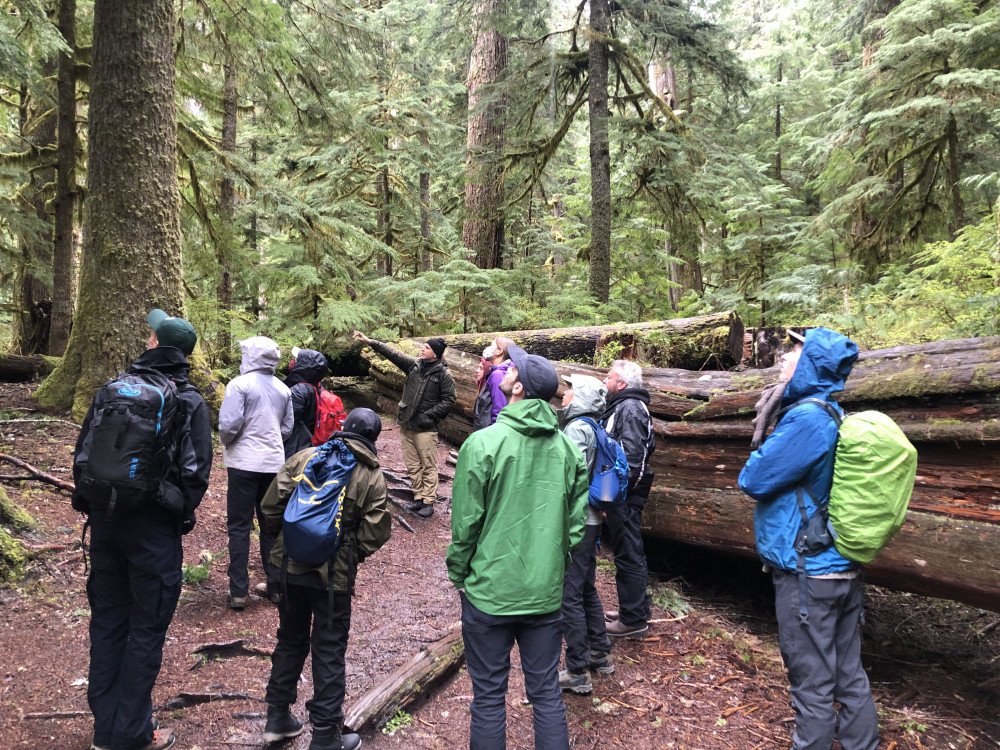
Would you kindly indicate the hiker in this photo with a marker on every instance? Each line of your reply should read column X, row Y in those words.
column 135, row 551
column 518, row 508
column 490, row 399
column 627, row 420
column 428, row 396
column 821, row 645
column 305, row 371
column 254, row 420
column 588, row 647
column 366, row 526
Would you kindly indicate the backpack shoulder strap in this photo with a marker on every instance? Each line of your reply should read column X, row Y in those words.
column 825, row 405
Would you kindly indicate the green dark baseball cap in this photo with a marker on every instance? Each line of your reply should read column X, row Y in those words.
column 171, row 331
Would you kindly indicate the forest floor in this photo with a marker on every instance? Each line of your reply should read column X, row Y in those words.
column 707, row 675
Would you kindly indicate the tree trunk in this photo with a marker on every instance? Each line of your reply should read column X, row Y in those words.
column 954, row 180
column 131, row 249
column 426, row 262
column 383, row 222
column 34, row 294
column 63, row 246
column 600, row 155
column 483, row 230
column 227, row 214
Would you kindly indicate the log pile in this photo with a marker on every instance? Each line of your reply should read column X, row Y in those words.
column 944, row 395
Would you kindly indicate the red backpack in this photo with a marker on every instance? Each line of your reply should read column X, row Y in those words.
column 329, row 415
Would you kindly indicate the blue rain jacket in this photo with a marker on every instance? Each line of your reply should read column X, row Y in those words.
column 800, row 451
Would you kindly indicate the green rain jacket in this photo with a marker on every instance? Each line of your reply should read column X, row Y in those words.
column 519, row 501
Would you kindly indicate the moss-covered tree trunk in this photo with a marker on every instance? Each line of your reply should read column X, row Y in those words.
column 62, row 248
column 483, row 230
column 600, row 154
column 12, row 554
column 131, row 246
column 227, row 212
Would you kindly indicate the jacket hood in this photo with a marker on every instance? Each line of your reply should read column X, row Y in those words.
column 166, row 359
column 529, row 416
column 363, row 450
column 310, row 367
column 588, row 401
column 259, row 354
column 826, row 361
column 615, row 398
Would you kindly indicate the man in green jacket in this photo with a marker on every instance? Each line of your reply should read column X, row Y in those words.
column 518, row 507
column 428, row 396
column 310, row 612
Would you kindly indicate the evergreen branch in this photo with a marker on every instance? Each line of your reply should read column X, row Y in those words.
column 633, row 66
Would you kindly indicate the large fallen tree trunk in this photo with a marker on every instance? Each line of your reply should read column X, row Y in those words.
column 18, row 369
column 945, row 395
column 708, row 340
column 408, row 682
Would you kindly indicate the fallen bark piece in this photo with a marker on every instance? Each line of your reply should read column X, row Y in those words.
column 57, row 715
column 227, row 650
column 410, row 681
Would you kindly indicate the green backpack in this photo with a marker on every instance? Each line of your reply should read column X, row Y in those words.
column 873, row 473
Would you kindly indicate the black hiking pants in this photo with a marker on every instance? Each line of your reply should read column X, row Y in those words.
column 307, row 623
column 631, row 573
column 133, row 588
column 243, row 495
column 583, row 625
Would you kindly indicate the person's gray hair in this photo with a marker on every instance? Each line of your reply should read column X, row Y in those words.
column 628, row 372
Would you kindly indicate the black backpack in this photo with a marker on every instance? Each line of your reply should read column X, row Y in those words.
column 135, row 428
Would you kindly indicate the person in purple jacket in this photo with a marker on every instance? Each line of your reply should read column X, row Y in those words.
column 491, row 400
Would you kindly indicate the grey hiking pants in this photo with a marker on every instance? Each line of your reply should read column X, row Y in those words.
column 823, row 658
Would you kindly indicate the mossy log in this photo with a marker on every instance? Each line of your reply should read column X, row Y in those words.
column 944, row 395
column 17, row 369
column 715, row 339
column 408, row 682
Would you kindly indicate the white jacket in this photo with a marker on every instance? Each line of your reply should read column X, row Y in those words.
column 256, row 413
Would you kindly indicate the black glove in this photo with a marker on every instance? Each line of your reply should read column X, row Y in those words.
column 188, row 523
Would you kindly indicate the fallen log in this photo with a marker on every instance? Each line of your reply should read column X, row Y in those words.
column 40, row 475
column 715, row 339
column 410, row 681
column 944, row 395
column 19, row 369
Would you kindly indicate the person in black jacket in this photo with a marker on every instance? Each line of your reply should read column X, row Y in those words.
column 135, row 560
column 627, row 420
column 305, row 372
column 428, row 395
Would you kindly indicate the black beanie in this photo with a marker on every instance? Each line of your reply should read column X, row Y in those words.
column 437, row 345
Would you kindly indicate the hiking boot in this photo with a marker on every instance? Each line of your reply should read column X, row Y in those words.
column 238, row 603
column 415, row 506
column 426, row 511
column 330, row 738
column 601, row 662
column 264, row 592
column 162, row 739
column 576, row 682
column 280, row 725
column 611, row 615
column 618, row 629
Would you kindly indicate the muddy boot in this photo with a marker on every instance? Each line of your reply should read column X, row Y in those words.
column 281, row 725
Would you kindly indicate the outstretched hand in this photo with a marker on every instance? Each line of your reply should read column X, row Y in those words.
column 358, row 336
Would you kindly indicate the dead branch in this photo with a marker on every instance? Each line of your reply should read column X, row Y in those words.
column 186, row 700
column 38, row 474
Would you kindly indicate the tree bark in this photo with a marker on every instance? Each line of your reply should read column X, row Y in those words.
column 34, row 294
column 483, row 230
column 600, row 154
column 227, row 213
column 131, row 249
column 65, row 201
